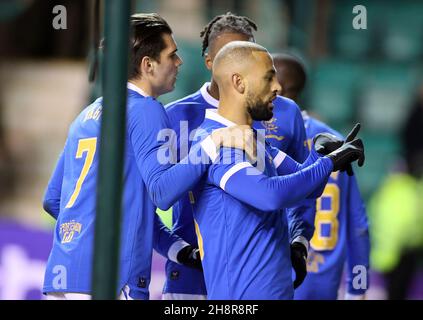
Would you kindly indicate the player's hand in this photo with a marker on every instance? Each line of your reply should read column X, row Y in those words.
column 190, row 256
column 350, row 137
column 239, row 137
column 299, row 262
column 348, row 153
column 325, row 143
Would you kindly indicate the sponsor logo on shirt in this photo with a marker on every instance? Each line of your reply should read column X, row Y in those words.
column 68, row 229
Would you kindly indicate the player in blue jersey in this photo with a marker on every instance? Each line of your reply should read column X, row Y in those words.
column 341, row 233
column 187, row 114
column 149, row 177
column 241, row 226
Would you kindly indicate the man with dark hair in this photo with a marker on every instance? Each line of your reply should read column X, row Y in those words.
column 149, row 180
column 186, row 115
column 239, row 211
column 292, row 74
column 151, row 37
column 341, row 230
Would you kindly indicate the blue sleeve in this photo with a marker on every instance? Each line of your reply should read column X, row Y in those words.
column 154, row 151
column 247, row 184
column 163, row 237
column 289, row 164
column 358, row 243
column 51, row 202
column 297, row 148
column 300, row 218
column 313, row 156
column 286, row 165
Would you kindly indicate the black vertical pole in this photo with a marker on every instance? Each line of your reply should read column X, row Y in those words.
column 109, row 190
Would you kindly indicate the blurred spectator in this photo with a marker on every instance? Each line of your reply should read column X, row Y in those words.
column 396, row 221
column 412, row 137
column 396, row 213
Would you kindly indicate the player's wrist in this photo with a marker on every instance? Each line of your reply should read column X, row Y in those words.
column 190, row 256
column 303, row 241
column 328, row 163
column 314, row 154
column 175, row 249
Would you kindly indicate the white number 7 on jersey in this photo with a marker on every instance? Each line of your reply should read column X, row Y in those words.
column 89, row 146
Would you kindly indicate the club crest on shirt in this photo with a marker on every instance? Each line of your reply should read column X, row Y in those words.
column 67, row 230
column 174, row 275
column 272, row 129
column 142, row 282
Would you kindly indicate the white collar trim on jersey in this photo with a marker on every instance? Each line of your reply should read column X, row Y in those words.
column 133, row 87
column 206, row 95
column 213, row 115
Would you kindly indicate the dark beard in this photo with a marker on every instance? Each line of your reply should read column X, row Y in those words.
column 259, row 111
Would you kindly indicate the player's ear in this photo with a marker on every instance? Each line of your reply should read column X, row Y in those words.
column 238, row 83
column 208, row 61
column 147, row 65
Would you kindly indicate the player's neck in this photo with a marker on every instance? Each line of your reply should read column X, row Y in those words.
column 144, row 86
column 213, row 89
column 237, row 115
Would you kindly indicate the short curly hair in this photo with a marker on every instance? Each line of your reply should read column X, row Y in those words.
column 226, row 23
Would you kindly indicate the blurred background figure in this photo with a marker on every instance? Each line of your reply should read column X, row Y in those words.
column 368, row 75
column 397, row 212
column 396, row 216
column 341, row 239
column 412, row 137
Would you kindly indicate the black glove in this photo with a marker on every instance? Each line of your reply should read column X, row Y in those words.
column 349, row 152
column 190, row 256
column 325, row 143
column 299, row 262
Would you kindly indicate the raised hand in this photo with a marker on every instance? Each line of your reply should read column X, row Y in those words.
column 325, row 143
column 348, row 153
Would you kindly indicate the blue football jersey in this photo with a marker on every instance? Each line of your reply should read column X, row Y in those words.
column 341, row 233
column 240, row 222
column 185, row 116
column 70, row 196
column 285, row 131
